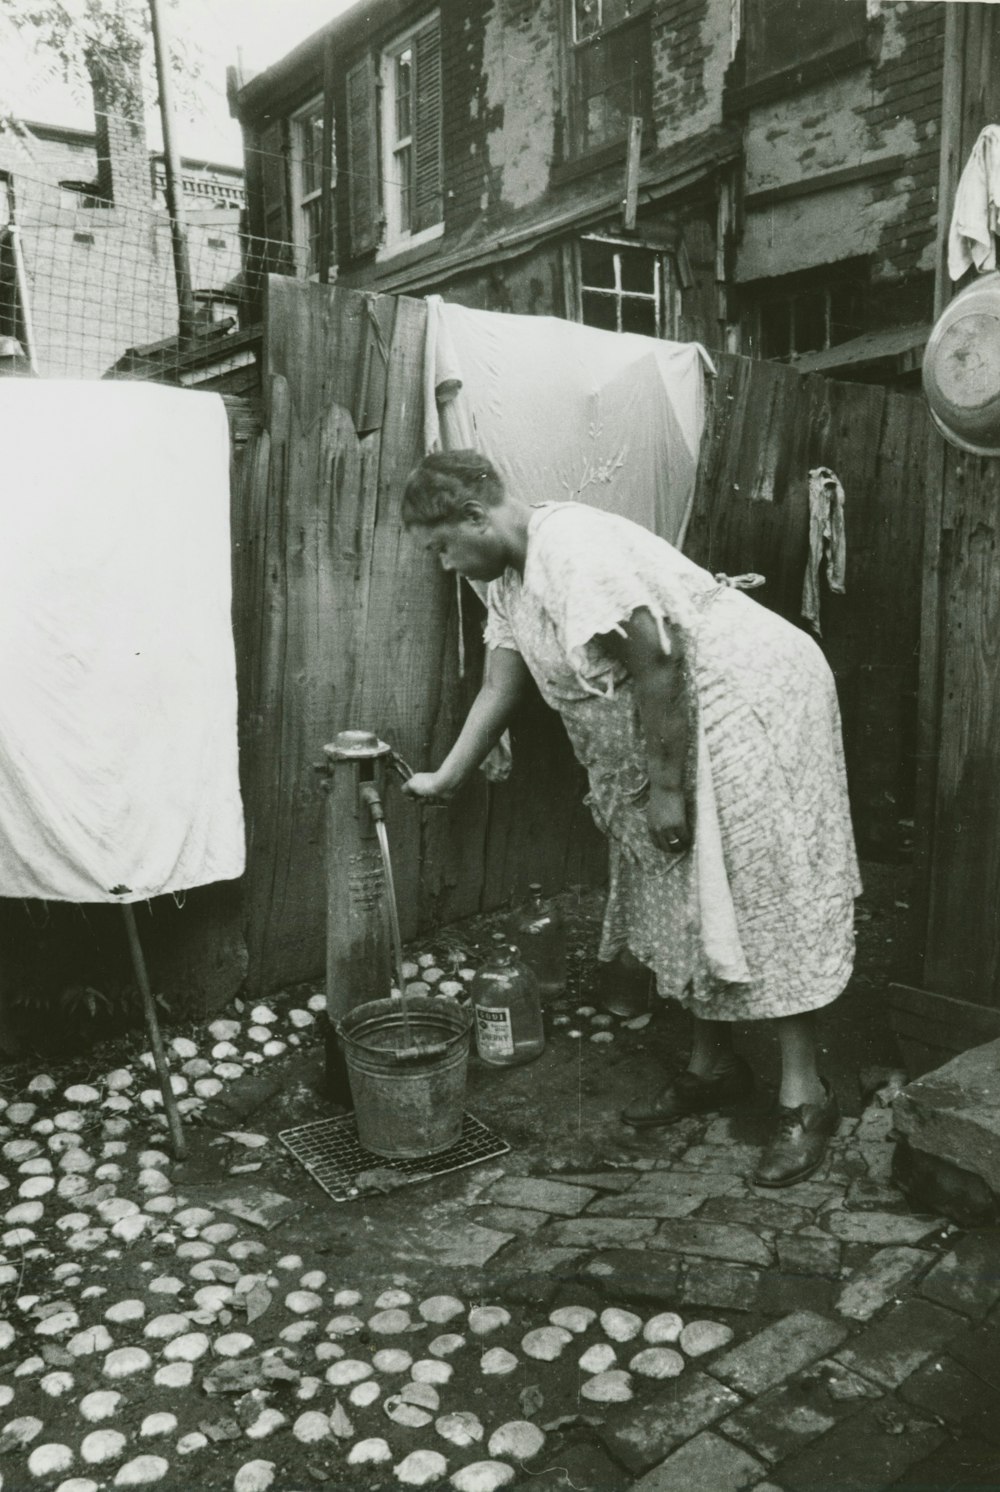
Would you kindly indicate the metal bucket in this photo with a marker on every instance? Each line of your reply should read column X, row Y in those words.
column 412, row 1106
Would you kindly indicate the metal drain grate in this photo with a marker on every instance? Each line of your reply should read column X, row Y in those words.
column 330, row 1151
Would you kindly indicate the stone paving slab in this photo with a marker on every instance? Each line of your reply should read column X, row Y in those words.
column 967, row 1278
column 729, row 1241
column 896, row 1345
column 705, row 1464
column 778, row 1351
column 872, row 1287
column 868, row 1451
column 643, row 1437
column 947, row 1390
column 532, row 1192
column 721, row 1287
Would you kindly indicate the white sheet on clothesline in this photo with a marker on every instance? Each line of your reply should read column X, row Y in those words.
column 118, row 751
column 568, row 411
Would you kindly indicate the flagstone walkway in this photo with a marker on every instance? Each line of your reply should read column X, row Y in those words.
column 594, row 1310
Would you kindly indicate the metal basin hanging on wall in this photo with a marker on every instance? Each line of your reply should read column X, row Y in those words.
column 961, row 374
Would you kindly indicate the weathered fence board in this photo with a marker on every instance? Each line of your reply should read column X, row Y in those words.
column 343, row 621
column 767, row 426
column 961, row 735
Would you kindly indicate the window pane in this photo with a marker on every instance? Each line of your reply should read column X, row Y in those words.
column 311, row 150
column 600, row 311
column 404, row 88
column 402, row 165
column 786, row 33
column 775, row 329
column 597, row 265
column 586, row 18
column 638, row 270
column 845, row 313
column 810, row 322
column 612, row 81
column 639, row 316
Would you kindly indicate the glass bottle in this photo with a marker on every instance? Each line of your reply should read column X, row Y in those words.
column 538, row 930
column 506, row 1008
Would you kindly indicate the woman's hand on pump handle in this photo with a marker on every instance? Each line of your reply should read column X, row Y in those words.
column 667, row 820
column 427, row 788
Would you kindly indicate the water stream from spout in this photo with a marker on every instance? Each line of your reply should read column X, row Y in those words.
column 397, row 941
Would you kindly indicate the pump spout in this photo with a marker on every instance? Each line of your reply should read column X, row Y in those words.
column 369, row 796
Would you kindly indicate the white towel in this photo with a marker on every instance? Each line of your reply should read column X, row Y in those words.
column 975, row 218
column 118, row 754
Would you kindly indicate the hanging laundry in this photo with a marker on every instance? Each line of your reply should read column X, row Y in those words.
column 827, row 541
column 975, row 218
column 118, row 753
column 569, row 412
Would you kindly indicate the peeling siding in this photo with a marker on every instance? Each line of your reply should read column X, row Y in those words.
column 521, row 63
column 890, row 108
column 691, row 45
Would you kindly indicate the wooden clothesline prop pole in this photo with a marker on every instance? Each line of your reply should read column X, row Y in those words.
column 155, row 1037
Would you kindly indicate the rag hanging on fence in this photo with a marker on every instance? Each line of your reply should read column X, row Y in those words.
column 975, row 218
column 827, row 541
column 118, row 755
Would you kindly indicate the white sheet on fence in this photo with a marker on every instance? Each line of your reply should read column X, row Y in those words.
column 118, row 754
column 567, row 411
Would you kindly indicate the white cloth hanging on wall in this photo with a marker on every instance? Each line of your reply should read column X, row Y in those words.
column 118, row 751
column 567, row 411
column 975, row 218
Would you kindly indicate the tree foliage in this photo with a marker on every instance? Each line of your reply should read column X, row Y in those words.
column 112, row 35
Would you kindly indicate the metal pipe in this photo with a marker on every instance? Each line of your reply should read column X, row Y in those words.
column 172, row 171
column 155, row 1037
column 23, row 296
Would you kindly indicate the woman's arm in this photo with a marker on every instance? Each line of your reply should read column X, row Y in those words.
column 662, row 700
column 505, row 678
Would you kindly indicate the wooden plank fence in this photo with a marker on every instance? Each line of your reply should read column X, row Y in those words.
column 342, row 621
column 767, row 426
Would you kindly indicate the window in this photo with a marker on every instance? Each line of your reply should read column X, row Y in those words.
column 627, row 288
column 807, row 312
column 411, row 136
column 610, row 71
column 782, row 35
column 307, row 186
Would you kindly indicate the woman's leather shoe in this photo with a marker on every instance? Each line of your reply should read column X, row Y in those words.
column 799, row 1145
column 687, row 1093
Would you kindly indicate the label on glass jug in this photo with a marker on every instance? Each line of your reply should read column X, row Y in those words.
column 494, row 1032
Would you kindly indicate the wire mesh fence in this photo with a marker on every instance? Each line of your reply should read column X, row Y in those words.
column 90, row 283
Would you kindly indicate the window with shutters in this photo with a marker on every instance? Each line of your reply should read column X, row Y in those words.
column 610, row 71
column 411, row 137
column 307, row 185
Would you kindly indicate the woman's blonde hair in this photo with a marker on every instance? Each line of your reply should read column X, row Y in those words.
column 438, row 488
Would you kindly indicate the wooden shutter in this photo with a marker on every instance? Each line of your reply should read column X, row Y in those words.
column 364, row 218
column 428, row 198
column 273, row 142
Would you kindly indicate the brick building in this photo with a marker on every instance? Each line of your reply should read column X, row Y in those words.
column 785, row 190
column 90, row 213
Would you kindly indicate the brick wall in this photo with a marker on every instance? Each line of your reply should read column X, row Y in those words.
column 691, row 44
column 907, row 85
column 470, row 185
column 123, row 169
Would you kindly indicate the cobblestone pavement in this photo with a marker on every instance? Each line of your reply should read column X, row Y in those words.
column 222, row 1323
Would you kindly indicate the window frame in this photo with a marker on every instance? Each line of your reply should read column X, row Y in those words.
column 303, row 201
column 396, row 239
column 578, row 148
column 666, row 283
column 852, row 275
